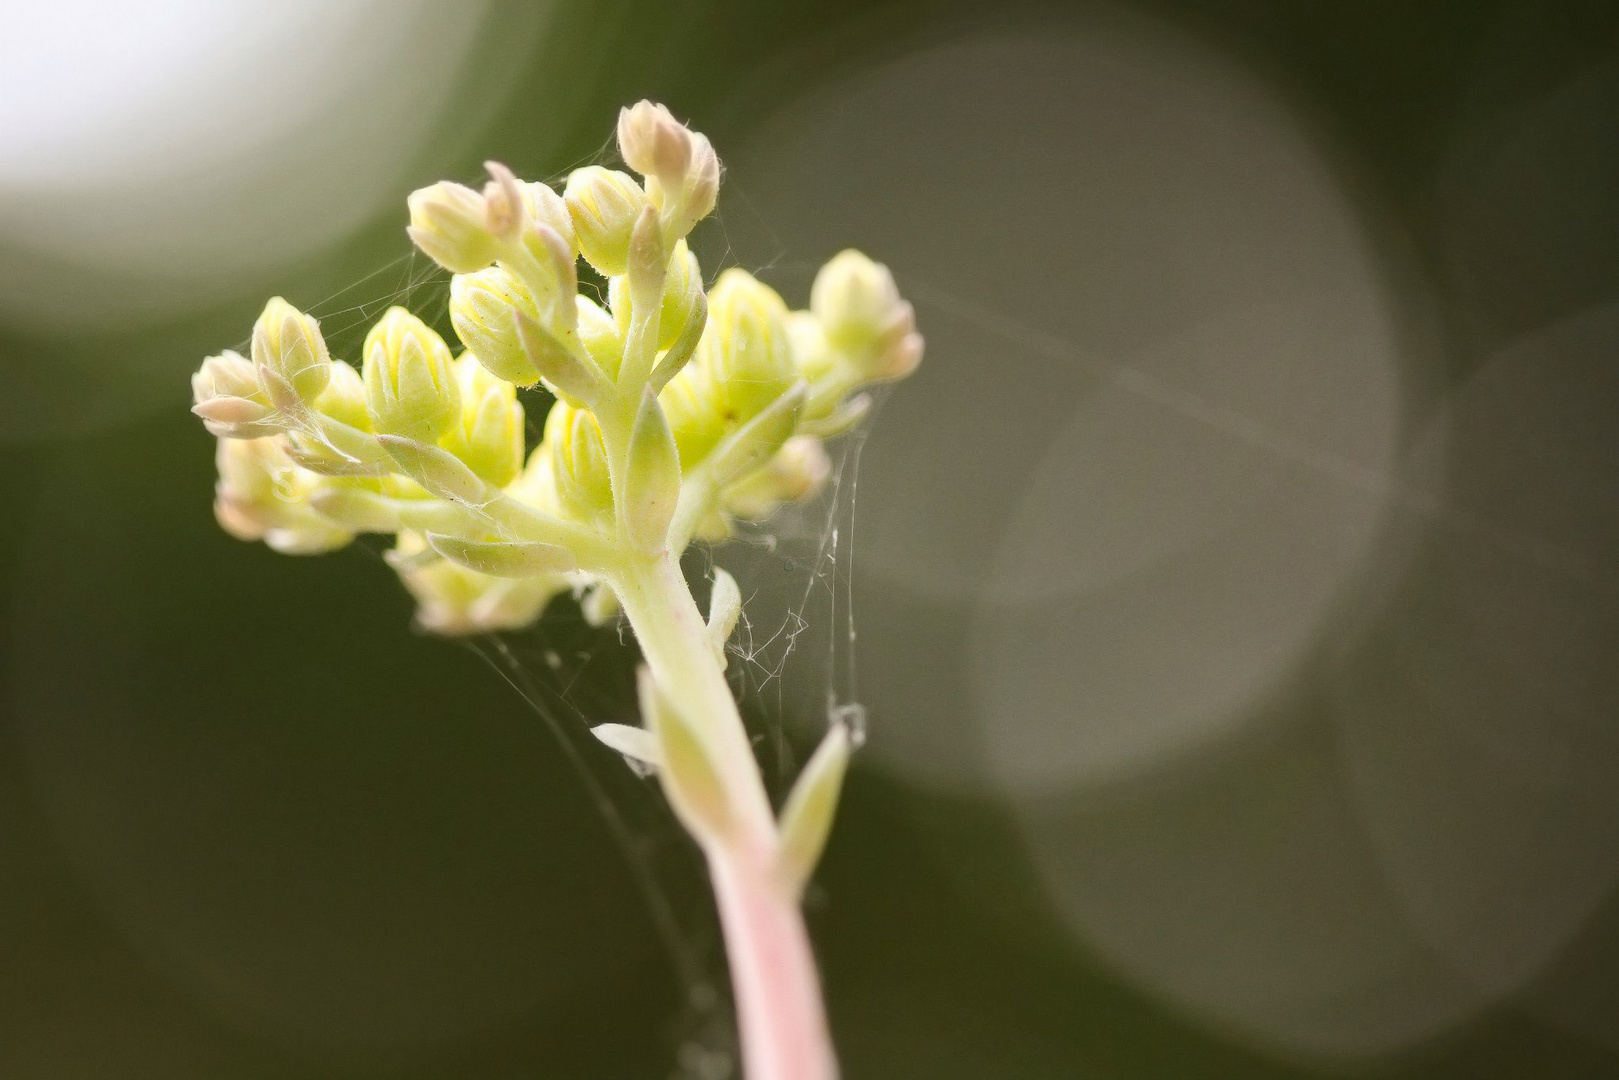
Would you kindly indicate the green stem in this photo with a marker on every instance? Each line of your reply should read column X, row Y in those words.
column 780, row 1015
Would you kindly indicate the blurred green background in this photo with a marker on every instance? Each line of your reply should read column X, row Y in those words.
column 1235, row 583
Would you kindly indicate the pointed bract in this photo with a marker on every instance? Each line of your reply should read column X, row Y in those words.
column 504, row 558
column 812, row 806
column 690, row 780
column 651, row 478
column 724, row 608
column 436, row 469
column 637, row 744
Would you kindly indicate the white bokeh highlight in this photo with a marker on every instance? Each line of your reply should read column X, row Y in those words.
column 156, row 156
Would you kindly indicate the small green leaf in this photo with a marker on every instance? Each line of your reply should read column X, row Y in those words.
column 564, row 371
column 502, row 558
column 651, row 478
column 690, row 780
column 436, row 469
column 806, row 819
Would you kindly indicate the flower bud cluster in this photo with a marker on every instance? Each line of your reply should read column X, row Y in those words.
column 678, row 410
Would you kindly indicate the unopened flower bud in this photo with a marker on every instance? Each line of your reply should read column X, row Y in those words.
column 704, row 184
column 488, row 435
column 899, row 358
column 551, row 275
column 600, row 335
column 504, row 209
column 289, row 355
column 797, row 472
column 344, row 397
column 483, row 309
column 745, row 346
column 584, row 487
column 682, row 170
column 654, row 143
column 546, row 207
column 410, row 385
column 700, row 190
column 681, row 286
column 812, row 356
column 604, row 205
column 855, row 299
column 230, row 400
column 449, row 223
column 454, row 600
column 864, row 318
column 697, row 413
column 262, row 495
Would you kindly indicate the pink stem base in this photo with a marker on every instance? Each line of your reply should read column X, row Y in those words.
column 778, row 995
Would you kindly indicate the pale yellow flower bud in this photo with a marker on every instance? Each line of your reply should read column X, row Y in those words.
column 289, row 355
column 344, row 397
column 855, row 299
column 682, row 170
column 410, row 385
column 604, row 205
column 229, row 399
column 488, row 435
column 449, row 223
column 505, row 212
column 453, row 600
column 551, row 275
column 745, row 345
column 812, row 355
column 654, row 143
column 600, row 335
column 483, row 309
column 262, row 495
column 702, row 182
column 546, row 207
column 584, row 487
column 863, row 316
column 681, row 287
column 697, row 413
column 797, row 472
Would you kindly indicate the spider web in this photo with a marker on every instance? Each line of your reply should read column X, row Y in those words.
column 791, row 665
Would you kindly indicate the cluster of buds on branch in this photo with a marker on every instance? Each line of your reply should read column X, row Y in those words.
column 678, row 412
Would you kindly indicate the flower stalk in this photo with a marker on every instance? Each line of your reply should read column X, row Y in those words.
column 680, row 411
